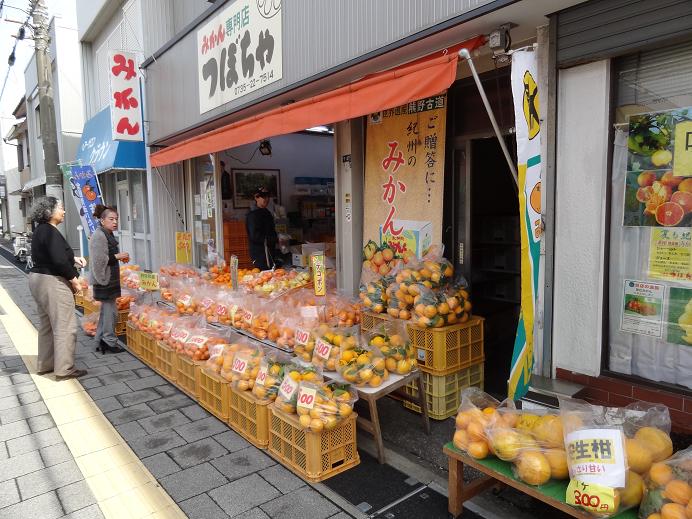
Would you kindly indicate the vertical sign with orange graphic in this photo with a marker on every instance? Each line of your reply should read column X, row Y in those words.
column 528, row 126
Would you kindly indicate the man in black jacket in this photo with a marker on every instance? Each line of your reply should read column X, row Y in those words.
column 261, row 231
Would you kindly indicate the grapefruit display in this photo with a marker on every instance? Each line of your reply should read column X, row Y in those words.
column 686, row 185
column 669, row 214
column 644, row 194
column 646, row 178
column 682, row 198
column 668, row 179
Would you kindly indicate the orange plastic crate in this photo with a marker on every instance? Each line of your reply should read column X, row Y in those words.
column 132, row 335
column 186, row 374
column 249, row 417
column 164, row 362
column 441, row 351
column 311, row 455
column 213, row 393
column 147, row 345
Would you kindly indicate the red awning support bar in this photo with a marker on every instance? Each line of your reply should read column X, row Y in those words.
column 465, row 54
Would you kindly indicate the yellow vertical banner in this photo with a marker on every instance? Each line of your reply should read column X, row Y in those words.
column 183, row 247
column 404, row 176
column 319, row 273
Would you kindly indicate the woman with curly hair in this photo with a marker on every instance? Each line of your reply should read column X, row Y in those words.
column 104, row 254
column 52, row 282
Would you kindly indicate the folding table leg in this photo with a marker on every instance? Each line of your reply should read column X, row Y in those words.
column 422, row 402
column 376, row 430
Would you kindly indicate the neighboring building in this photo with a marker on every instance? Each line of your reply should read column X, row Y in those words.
column 69, row 114
column 144, row 200
column 19, row 200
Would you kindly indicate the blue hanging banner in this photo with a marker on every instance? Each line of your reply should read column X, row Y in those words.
column 86, row 192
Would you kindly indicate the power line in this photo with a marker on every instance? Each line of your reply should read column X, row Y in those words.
column 14, row 47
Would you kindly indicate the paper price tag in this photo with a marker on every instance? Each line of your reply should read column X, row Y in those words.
column 197, row 340
column 421, row 355
column 288, row 388
column 167, row 328
column 180, row 335
column 302, row 336
column 216, row 350
column 185, row 300
column 307, row 397
column 240, row 365
column 309, row 312
column 323, row 349
column 206, row 303
column 597, row 456
column 221, row 310
column 262, row 375
column 247, row 316
column 148, row 281
column 593, row 497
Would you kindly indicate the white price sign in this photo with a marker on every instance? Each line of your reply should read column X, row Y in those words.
column 288, row 388
column 262, row 375
column 238, row 51
column 307, row 397
column 302, row 336
column 240, row 364
column 323, row 349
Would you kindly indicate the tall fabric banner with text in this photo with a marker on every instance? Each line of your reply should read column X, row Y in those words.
column 86, row 192
column 528, row 133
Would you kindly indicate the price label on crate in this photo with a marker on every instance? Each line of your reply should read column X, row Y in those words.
column 421, row 355
column 288, row 388
column 180, row 335
column 262, row 375
column 246, row 316
column 197, row 341
column 302, row 336
column 323, row 349
column 593, row 497
column 221, row 310
column 216, row 350
column 206, row 303
column 149, row 281
column 240, row 365
column 306, row 397
column 185, row 300
column 166, row 328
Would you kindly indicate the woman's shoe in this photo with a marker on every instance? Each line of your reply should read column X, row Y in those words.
column 75, row 374
column 104, row 348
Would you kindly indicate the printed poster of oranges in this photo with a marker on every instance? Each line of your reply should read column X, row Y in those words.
column 658, row 185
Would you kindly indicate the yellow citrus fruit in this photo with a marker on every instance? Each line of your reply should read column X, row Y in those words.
column 557, row 458
column 461, row 439
column 475, row 430
column 478, row 449
column 548, row 431
column 403, row 367
column 390, row 364
column 533, row 468
column 633, row 491
column 330, row 422
column 375, row 381
column 678, row 491
column 658, row 442
column 673, row 511
column 305, row 421
column 316, row 424
column 506, row 444
column 462, row 420
column 660, row 474
column 639, row 457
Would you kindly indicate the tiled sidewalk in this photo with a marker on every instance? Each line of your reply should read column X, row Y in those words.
column 209, row 470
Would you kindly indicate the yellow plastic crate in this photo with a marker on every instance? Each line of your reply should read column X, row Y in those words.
column 441, row 350
column 147, row 349
column 132, row 335
column 213, row 393
column 90, row 306
column 443, row 393
column 79, row 300
column 164, row 363
column 186, row 374
column 314, row 456
column 249, row 417
column 121, row 322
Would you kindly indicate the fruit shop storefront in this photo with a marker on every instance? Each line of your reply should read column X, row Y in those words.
column 621, row 312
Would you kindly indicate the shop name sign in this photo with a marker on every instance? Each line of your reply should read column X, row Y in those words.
column 126, row 99
column 238, row 51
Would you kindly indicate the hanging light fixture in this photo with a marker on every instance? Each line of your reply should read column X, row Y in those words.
column 265, row 147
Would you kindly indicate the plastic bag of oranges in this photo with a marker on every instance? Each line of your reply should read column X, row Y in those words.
column 475, row 413
column 392, row 340
column 270, row 376
column 363, row 366
column 608, row 450
column 321, row 406
column 182, row 328
column 668, row 488
column 341, row 310
column 295, row 373
column 246, row 366
column 207, row 296
column 330, row 342
column 201, row 339
column 400, row 301
column 90, row 323
column 238, row 343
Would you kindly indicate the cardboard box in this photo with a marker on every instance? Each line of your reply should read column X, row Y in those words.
column 416, row 236
column 309, row 248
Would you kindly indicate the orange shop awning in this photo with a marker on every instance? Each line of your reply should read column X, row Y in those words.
column 410, row 82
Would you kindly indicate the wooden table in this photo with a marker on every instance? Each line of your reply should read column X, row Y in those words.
column 500, row 472
column 393, row 386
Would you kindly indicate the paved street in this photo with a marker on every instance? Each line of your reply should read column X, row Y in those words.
column 205, row 467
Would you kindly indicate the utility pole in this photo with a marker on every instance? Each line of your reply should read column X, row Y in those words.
column 49, row 134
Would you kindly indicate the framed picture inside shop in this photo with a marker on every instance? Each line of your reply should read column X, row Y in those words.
column 246, row 182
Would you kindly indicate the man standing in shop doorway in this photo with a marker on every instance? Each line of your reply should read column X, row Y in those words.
column 226, row 185
column 261, row 232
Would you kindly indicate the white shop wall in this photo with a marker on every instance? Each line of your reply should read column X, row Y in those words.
column 294, row 155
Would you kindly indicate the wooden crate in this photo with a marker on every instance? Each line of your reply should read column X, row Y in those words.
column 314, row 456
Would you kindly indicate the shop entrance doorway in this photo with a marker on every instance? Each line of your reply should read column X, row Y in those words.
column 124, row 214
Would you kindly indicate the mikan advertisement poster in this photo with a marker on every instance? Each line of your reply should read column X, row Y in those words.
column 404, row 181
column 658, row 184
